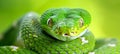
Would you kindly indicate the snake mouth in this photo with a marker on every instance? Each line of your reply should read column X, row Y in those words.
column 68, row 36
column 69, row 32
column 65, row 31
column 65, row 35
column 73, row 34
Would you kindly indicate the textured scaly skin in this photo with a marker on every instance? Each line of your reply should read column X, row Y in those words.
column 57, row 31
column 40, row 36
column 14, row 50
column 46, row 35
column 107, row 46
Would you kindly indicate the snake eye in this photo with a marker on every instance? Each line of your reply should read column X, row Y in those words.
column 81, row 22
column 49, row 22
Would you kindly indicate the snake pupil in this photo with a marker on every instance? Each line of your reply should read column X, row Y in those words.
column 49, row 22
column 81, row 22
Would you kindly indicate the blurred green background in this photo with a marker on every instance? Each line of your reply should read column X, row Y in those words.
column 105, row 13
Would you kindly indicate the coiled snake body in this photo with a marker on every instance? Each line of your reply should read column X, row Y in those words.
column 56, row 31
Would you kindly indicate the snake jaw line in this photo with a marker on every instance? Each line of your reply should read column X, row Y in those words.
column 82, row 33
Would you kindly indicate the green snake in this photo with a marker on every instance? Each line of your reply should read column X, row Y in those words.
column 56, row 31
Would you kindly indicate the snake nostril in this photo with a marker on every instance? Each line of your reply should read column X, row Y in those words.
column 66, row 34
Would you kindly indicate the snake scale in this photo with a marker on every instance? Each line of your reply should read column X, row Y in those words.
column 56, row 31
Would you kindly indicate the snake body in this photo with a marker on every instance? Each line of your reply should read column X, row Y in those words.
column 107, row 46
column 56, row 31
column 14, row 50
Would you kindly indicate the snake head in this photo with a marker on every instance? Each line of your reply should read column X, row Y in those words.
column 65, row 24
